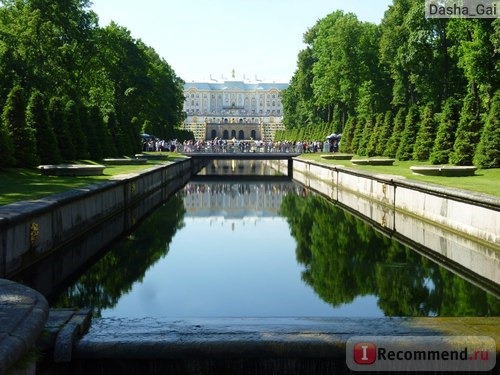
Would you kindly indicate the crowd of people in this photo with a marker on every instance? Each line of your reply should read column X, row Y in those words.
column 234, row 145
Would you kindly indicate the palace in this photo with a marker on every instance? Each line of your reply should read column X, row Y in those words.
column 233, row 109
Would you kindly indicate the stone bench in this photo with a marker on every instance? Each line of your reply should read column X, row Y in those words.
column 444, row 170
column 373, row 161
column 337, row 156
column 72, row 169
column 125, row 161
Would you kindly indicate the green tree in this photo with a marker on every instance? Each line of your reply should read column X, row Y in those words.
column 72, row 119
column 37, row 118
column 426, row 134
column 405, row 149
column 366, row 135
column 371, row 148
column 348, row 135
column 58, row 121
column 488, row 151
column 395, row 138
column 23, row 135
column 468, row 132
column 445, row 137
column 385, row 133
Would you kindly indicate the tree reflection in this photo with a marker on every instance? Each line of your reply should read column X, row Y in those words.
column 344, row 257
column 113, row 275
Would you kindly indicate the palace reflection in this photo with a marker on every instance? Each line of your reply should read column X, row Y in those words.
column 236, row 199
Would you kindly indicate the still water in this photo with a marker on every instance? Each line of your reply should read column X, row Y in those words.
column 266, row 249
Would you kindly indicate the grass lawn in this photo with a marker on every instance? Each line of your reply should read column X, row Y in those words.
column 485, row 181
column 19, row 184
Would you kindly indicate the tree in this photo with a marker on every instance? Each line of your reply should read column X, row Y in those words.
column 366, row 135
column 405, row 149
column 348, row 135
column 23, row 135
column 488, row 151
column 72, row 119
column 468, row 132
column 445, row 137
column 395, row 138
column 37, row 118
column 57, row 119
column 426, row 134
column 385, row 133
column 371, row 148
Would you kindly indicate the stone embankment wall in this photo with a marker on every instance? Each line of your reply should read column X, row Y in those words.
column 457, row 225
column 31, row 230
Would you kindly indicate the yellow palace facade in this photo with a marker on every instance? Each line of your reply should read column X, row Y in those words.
column 233, row 109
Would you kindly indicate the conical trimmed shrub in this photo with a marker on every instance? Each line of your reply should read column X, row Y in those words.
column 46, row 141
column 405, row 149
column 445, row 137
column 425, row 135
column 395, row 138
column 488, row 151
column 468, row 132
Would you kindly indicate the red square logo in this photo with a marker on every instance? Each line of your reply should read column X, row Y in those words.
column 365, row 353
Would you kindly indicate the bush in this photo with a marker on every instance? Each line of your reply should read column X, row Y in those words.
column 405, row 149
column 395, row 138
column 445, row 137
column 468, row 132
column 37, row 119
column 488, row 151
column 425, row 135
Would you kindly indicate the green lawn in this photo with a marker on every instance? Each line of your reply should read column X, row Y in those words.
column 24, row 184
column 485, row 181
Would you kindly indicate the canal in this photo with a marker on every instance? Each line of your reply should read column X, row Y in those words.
column 227, row 245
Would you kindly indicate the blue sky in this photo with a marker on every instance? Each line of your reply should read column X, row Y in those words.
column 199, row 38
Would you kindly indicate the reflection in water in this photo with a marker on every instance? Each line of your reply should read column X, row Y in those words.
column 227, row 249
column 238, row 168
column 344, row 258
column 112, row 276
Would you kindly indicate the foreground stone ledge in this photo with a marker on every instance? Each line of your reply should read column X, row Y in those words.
column 72, row 169
column 259, row 337
column 23, row 313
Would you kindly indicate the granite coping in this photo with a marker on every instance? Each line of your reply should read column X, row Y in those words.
column 23, row 314
column 259, row 337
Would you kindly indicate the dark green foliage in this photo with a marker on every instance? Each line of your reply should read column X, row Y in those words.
column 348, row 135
column 358, row 134
column 72, row 119
column 426, row 134
column 95, row 144
column 405, row 149
column 355, row 260
column 445, row 137
column 366, row 135
column 468, row 132
column 23, row 136
column 58, row 49
column 371, row 148
column 36, row 118
column 118, row 137
column 397, row 130
column 488, row 151
column 385, row 133
column 64, row 137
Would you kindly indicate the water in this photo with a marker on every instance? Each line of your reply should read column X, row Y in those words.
column 267, row 249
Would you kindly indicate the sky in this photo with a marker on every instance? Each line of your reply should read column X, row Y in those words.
column 203, row 40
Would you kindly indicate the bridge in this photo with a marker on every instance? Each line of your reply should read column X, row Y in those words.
column 207, row 156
